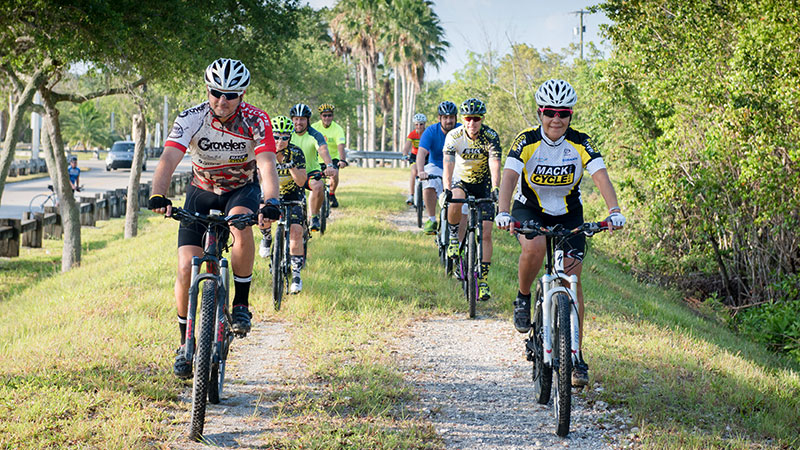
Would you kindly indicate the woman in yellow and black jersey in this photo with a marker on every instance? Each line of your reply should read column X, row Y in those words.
column 291, row 165
column 546, row 164
column 472, row 167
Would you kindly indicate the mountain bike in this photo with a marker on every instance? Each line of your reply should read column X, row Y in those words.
column 280, row 262
column 215, row 335
column 40, row 201
column 467, row 262
column 419, row 203
column 554, row 340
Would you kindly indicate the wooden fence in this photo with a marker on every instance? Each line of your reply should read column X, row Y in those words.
column 33, row 228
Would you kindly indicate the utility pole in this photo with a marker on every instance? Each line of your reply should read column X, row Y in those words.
column 580, row 29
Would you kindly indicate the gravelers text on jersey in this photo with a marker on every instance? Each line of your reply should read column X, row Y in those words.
column 223, row 154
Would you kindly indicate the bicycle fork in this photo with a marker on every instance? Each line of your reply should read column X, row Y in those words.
column 551, row 284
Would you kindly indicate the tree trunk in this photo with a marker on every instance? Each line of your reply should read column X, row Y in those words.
column 404, row 104
column 396, row 140
column 371, row 82
column 365, row 108
column 132, row 208
column 70, row 216
column 359, row 112
column 16, row 122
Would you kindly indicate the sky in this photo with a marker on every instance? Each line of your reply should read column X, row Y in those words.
column 480, row 25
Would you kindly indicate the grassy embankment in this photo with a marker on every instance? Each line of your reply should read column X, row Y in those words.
column 86, row 356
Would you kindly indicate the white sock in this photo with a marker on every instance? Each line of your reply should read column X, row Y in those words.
column 432, row 218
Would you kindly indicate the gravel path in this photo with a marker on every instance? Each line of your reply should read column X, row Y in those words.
column 475, row 386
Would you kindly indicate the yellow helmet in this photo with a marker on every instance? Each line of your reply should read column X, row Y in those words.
column 325, row 107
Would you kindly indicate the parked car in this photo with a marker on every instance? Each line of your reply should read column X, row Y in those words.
column 121, row 156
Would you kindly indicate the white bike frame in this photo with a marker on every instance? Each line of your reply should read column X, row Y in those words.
column 552, row 285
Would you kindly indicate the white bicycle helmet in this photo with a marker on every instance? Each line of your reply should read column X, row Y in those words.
column 227, row 75
column 420, row 118
column 557, row 93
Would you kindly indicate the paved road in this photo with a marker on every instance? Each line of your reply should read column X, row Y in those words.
column 17, row 195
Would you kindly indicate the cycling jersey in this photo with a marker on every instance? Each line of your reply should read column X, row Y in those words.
column 414, row 138
column 293, row 159
column 74, row 173
column 552, row 170
column 472, row 156
column 309, row 142
column 334, row 135
column 223, row 154
column 432, row 140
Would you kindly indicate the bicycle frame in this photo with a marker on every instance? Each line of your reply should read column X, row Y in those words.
column 216, row 271
column 552, row 283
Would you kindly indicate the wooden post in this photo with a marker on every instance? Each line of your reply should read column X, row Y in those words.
column 11, row 228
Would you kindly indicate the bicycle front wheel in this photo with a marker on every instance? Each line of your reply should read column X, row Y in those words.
column 473, row 268
column 326, row 211
column 203, row 359
column 277, row 267
column 418, row 203
column 563, row 350
column 542, row 374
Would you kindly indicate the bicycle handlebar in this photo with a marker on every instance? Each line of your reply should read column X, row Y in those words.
column 532, row 229
column 471, row 200
column 240, row 221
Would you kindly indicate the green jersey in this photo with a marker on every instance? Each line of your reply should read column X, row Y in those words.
column 309, row 142
column 334, row 135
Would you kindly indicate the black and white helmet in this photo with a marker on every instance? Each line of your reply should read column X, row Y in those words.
column 227, row 75
column 556, row 93
column 447, row 108
column 300, row 110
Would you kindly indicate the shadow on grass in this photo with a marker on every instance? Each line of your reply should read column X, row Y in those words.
column 18, row 274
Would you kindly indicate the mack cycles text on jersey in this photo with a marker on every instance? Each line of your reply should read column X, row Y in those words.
column 553, row 175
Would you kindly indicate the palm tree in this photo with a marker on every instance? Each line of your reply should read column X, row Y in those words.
column 85, row 126
column 356, row 23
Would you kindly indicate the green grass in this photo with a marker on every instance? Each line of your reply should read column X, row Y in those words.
column 87, row 354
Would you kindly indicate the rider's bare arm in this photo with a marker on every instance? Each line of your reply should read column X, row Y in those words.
column 167, row 164
column 268, row 174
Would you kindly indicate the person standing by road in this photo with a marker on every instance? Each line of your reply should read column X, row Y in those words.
column 229, row 141
column 334, row 137
column 74, row 173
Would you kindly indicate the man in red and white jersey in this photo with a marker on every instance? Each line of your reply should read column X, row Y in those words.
column 229, row 141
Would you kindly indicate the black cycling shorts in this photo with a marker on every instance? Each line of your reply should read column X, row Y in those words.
column 481, row 190
column 412, row 158
column 201, row 201
column 297, row 213
column 310, row 176
column 574, row 245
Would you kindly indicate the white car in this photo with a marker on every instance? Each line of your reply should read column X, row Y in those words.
column 121, row 156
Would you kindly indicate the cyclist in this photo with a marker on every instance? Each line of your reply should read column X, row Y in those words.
column 551, row 159
column 472, row 161
column 431, row 142
column 312, row 142
column 410, row 151
column 292, row 178
column 334, row 136
column 228, row 140
column 74, row 173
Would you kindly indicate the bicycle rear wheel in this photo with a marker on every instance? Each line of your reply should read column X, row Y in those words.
column 38, row 203
column 443, row 237
column 277, row 267
column 323, row 215
column 542, row 374
column 563, row 350
column 418, row 203
column 473, row 268
column 203, row 359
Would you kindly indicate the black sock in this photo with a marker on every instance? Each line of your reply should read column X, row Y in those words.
column 453, row 231
column 524, row 296
column 241, row 298
column 182, row 327
column 485, row 270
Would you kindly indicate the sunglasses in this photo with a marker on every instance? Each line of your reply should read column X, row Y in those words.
column 281, row 138
column 551, row 112
column 228, row 95
column 327, row 115
column 473, row 118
